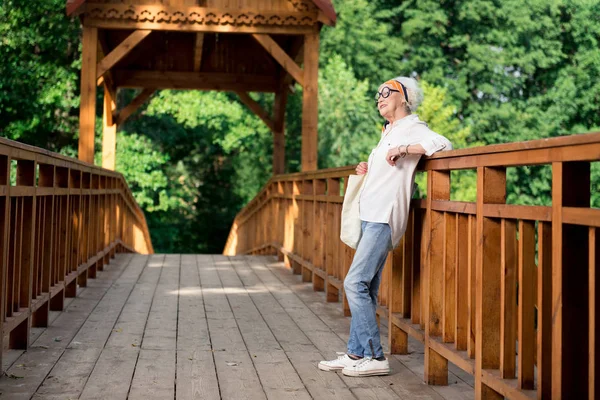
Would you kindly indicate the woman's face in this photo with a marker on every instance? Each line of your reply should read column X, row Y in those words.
column 387, row 106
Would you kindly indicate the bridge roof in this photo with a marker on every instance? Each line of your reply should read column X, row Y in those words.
column 326, row 6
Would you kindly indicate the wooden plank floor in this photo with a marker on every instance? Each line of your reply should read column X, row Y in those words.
column 203, row 327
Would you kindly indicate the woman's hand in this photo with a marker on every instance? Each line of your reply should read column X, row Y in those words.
column 392, row 156
column 362, row 168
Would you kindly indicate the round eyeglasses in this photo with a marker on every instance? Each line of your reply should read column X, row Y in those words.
column 385, row 93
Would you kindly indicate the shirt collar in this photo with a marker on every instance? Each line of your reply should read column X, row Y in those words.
column 401, row 121
column 409, row 117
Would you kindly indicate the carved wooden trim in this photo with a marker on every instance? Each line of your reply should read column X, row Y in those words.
column 303, row 5
column 196, row 15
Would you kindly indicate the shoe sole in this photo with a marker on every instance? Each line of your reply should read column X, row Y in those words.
column 367, row 373
column 326, row 368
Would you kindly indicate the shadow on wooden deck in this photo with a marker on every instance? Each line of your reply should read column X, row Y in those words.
column 203, row 327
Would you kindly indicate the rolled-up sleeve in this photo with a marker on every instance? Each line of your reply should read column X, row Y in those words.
column 435, row 143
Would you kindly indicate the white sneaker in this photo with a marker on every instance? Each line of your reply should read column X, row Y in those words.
column 368, row 367
column 343, row 361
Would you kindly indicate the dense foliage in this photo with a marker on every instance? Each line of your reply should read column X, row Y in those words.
column 492, row 71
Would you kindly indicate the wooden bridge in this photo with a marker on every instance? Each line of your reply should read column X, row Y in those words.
column 482, row 299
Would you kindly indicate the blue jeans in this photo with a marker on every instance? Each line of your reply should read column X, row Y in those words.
column 361, row 287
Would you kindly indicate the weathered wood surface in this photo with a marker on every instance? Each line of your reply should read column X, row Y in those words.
column 203, row 327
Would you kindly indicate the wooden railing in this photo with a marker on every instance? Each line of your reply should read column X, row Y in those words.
column 508, row 293
column 61, row 221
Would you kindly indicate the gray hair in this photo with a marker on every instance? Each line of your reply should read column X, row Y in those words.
column 413, row 90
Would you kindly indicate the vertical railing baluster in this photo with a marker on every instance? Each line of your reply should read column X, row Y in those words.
column 508, row 298
column 472, row 288
column 526, row 303
column 332, row 232
column 449, row 282
column 462, row 281
column 319, row 242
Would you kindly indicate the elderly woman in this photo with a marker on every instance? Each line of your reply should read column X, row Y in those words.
column 384, row 208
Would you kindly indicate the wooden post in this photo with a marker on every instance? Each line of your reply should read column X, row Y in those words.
column 87, row 107
column 310, row 106
column 570, row 286
column 438, row 188
column 109, row 131
column 491, row 189
column 279, row 132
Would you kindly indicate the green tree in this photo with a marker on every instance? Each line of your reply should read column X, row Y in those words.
column 39, row 73
column 349, row 123
column 364, row 41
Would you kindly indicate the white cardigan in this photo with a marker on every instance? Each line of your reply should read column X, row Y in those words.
column 387, row 190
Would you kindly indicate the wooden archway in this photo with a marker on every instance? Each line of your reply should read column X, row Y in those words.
column 229, row 45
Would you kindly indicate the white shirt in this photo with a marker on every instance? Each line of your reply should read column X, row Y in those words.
column 387, row 190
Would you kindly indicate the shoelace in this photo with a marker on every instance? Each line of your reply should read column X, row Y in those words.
column 363, row 361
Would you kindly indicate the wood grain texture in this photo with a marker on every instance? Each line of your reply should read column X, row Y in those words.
column 87, row 107
column 109, row 131
column 491, row 188
column 286, row 62
column 310, row 102
column 119, row 52
column 438, row 188
column 570, row 304
column 508, row 298
column 198, row 51
column 279, row 131
column 462, row 282
column 526, row 336
column 196, row 81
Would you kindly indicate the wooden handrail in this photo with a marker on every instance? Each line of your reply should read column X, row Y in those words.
column 507, row 293
column 61, row 221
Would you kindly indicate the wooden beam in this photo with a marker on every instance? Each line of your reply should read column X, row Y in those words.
column 121, row 51
column 279, row 131
column 257, row 109
column 195, row 80
column 297, row 52
column 108, row 76
column 134, row 105
column 281, row 57
column 310, row 105
column 198, row 51
column 199, row 19
column 109, row 131
column 87, row 107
